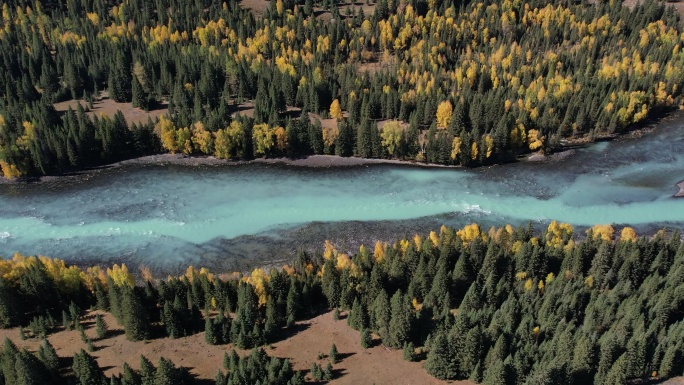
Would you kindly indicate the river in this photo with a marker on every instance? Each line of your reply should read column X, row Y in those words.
column 233, row 217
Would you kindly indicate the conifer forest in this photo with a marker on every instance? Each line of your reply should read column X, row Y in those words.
column 465, row 83
column 436, row 83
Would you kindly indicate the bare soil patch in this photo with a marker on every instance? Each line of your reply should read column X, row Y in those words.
column 247, row 109
column 679, row 5
column 202, row 359
column 108, row 107
column 376, row 365
column 323, row 14
column 673, row 381
column 258, row 7
column 377, row 64
column 325, row 123
column 357, row 365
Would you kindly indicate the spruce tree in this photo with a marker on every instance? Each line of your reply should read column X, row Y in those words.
column 100, row 327
column 147, row 371
column 167, row 374
column 87, row 370
column 333, row 355
column 48, row 355
column 135, row 317
column 9, row 316
column 210, row 331
column 409, row 352
column 140, row 98
column 366, row 338
column 400, row 321
column 438, row 362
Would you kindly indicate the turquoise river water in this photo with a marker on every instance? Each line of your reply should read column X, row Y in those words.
column 233, row 216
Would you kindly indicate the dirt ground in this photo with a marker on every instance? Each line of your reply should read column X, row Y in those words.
column 247, row 109
column 376, row 365
column 674, row 381
column 108, row 107
column 357, row 366
column 256, row 6
column 679, row 5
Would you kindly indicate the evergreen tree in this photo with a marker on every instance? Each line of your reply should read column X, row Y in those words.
column 210, row 331
column 366, row 338
column 438, row 362
column 409, row 352
column 100, row 327
column 400, row 321
column 135, row 316
column 87, row 370
column 48, row 355
column 139, row 97
column 333, row 355
column 147, row 371
column 9, row 316
column 167, row 373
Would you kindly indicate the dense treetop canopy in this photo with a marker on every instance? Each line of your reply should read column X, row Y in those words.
column 470, row 82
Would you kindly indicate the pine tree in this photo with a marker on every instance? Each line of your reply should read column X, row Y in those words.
column 48, row 355
column 409, row 352
column 328, row 372
column 9, row 316
column 167, row 374
column 366, row 338
column 381, row 314
column 139, row 97
column 293, row 303
column 438, row 362
column 400, row 321
column 100, row 327
column 29, row 370
column 130, row 377
column 87, row 370
column 356, row 316
column 210, row 331
column 316, row 372
column 135, row 317
column 147, row 371
column 333, row 355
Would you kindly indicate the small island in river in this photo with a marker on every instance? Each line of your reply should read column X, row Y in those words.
column 681, row 189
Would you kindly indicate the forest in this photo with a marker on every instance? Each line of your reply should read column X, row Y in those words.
column 503, row 306
column 449, row 82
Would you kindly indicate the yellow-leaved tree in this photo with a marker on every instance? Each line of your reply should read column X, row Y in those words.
column 534, row 139
column 121, row 276
column 280, row 138
column 336, row 110
column 605, row 232
column 628, row 234
column 455, row 147
column 444, row 112
column 489, row 145
column 9, row 171
column 166, row 131
column 391, row 135
column 263, row 139
column 202, row 138
column 330, row 135
column 184, row 140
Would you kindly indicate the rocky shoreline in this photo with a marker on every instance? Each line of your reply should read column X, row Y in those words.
column 681, row 190
column 312, row 161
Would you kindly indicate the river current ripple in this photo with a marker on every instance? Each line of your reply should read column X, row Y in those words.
column 234, row 217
